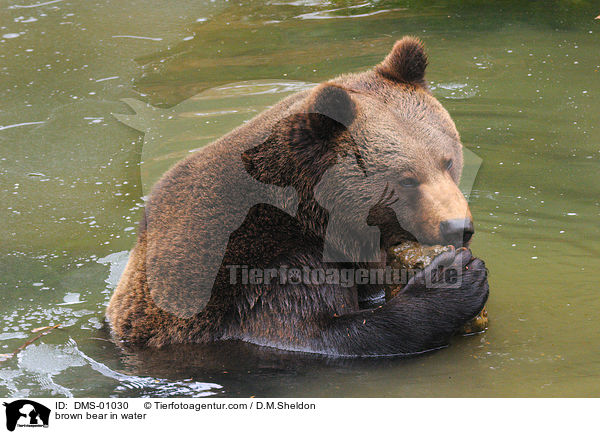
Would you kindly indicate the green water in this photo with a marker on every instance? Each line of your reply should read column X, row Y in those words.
column 521, row 80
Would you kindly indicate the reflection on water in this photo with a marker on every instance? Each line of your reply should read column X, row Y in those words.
column 42, row 367
column 520, row 80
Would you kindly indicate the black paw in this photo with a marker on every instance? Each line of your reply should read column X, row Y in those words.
column 455, row 281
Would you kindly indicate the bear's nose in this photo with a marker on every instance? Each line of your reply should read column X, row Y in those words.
column 457, row 232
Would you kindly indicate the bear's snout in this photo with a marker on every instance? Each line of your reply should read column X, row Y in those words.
column 457, row 232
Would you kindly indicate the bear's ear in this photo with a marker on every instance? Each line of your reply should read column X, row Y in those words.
column 406, row 62
column 330, row 110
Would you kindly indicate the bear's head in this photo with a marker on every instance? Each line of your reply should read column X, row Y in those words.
column 378, row 152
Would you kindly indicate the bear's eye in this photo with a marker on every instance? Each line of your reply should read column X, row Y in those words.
column 409, row 182
column 448, row 164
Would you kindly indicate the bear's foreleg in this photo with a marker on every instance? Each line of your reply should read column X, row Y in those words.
column 421, row 318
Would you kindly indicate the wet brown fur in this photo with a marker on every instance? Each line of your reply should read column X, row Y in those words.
column 293, row 144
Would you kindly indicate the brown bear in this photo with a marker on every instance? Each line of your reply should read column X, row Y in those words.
column 325, row 180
